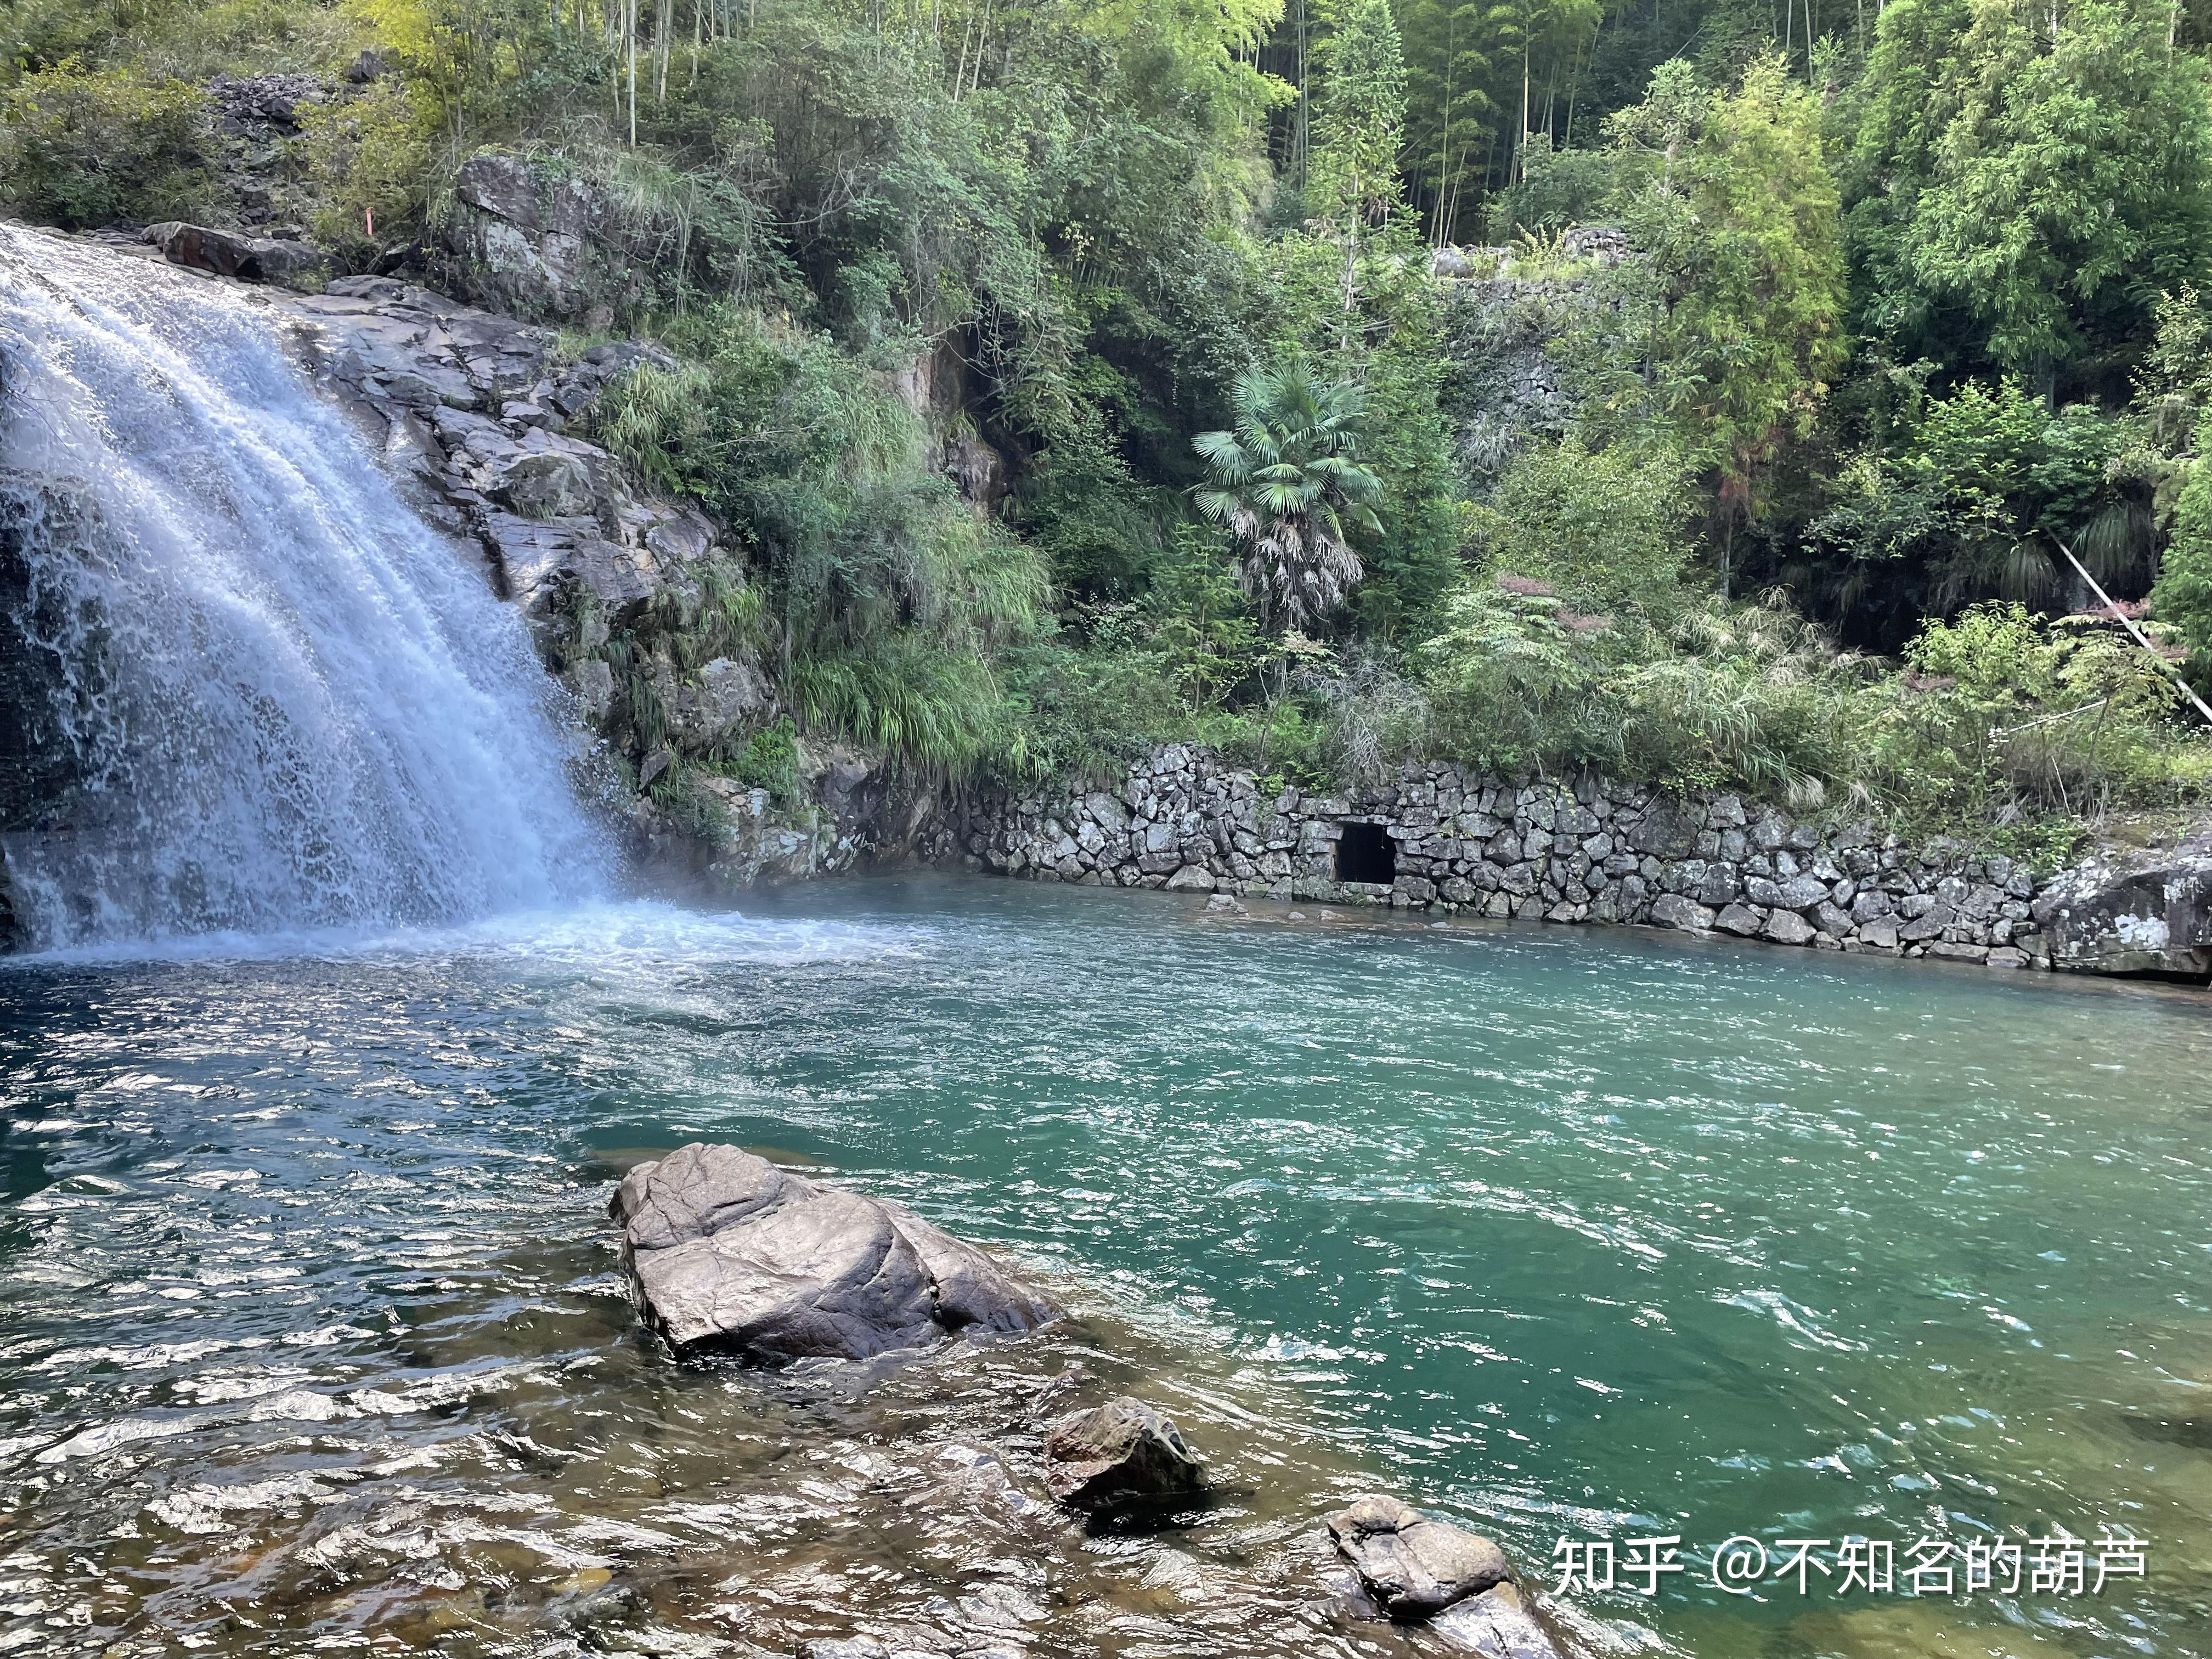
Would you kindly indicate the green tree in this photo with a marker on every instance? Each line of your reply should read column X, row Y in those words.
column 1359, row 126
column 1733, row 199
column 1288, row 486
column 1964, row 502
column 2183, row 597
column 80, row 148
column 2023, row 183
column 1608, row 528
column 1450, row 61
column 369, row 158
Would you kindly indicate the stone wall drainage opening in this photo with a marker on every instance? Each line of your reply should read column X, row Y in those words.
column 1365, row 854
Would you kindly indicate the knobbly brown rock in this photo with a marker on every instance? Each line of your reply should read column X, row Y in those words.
column 1121, row 1455
column 1413, row 1565
column 728, row 1252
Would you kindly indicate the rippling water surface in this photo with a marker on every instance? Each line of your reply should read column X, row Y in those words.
column 312, row 1340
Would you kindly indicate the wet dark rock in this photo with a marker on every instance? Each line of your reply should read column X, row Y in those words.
column 225, row 253
column 728, row 1252
column 2140, row 913
column 1050, row 1396
column 1413, row 1565
column 1122, row 1455
column 1499, row 1623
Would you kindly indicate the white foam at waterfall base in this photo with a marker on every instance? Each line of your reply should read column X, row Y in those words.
column 289, row 703
column 645, row 942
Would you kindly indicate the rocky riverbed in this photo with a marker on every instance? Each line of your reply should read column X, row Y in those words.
column 727, row 1255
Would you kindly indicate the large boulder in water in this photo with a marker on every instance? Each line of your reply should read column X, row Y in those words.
column 1416, row 1567
column 1121, row 1455
column 729, row 1252
column 2140, row 913
column 1413, row 1565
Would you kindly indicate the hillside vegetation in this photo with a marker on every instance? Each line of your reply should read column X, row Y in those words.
column 1897, row 312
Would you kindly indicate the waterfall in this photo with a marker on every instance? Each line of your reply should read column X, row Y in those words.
column 250, row 689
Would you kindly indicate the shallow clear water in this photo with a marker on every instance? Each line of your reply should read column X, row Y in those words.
column 313, row 1342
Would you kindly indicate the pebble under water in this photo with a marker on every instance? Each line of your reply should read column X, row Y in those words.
column 314, row 1340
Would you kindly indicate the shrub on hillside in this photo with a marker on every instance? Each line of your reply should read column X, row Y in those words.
column 1605, row 528
column 369, row 161
column 82, row 149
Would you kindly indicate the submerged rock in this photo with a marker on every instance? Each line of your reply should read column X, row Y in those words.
column 1121, row 1455
column 728, row 1252
column 1497, row 1623
column 1414, row 1566
column 1411, row 1567
column 2144, row 913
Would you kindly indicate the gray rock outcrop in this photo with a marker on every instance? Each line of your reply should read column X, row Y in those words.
column 247, row 103
column 1122, row 1455
column 530, row 236
column 1414, row 1565
column 2140, row 913
column 728, row 1252
column 472, row 409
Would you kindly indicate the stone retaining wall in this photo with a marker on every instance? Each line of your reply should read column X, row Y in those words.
column 1588, row 851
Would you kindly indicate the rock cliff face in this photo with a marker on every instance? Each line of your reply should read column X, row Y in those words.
column 1503, row 328
column 1439, row 839
column 475, row 410
column 530, row 237
column 470, row 409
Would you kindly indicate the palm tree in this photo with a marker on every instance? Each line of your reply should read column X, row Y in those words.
column 1287, row 486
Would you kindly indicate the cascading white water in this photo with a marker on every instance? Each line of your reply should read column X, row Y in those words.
column 278, row 699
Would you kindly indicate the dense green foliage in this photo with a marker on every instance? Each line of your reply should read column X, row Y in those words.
column 1070, row 376
column 79, row 149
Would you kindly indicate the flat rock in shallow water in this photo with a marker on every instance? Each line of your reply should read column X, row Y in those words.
column 1123, row 1454
column 727, row 1251
column 1413, row 1565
